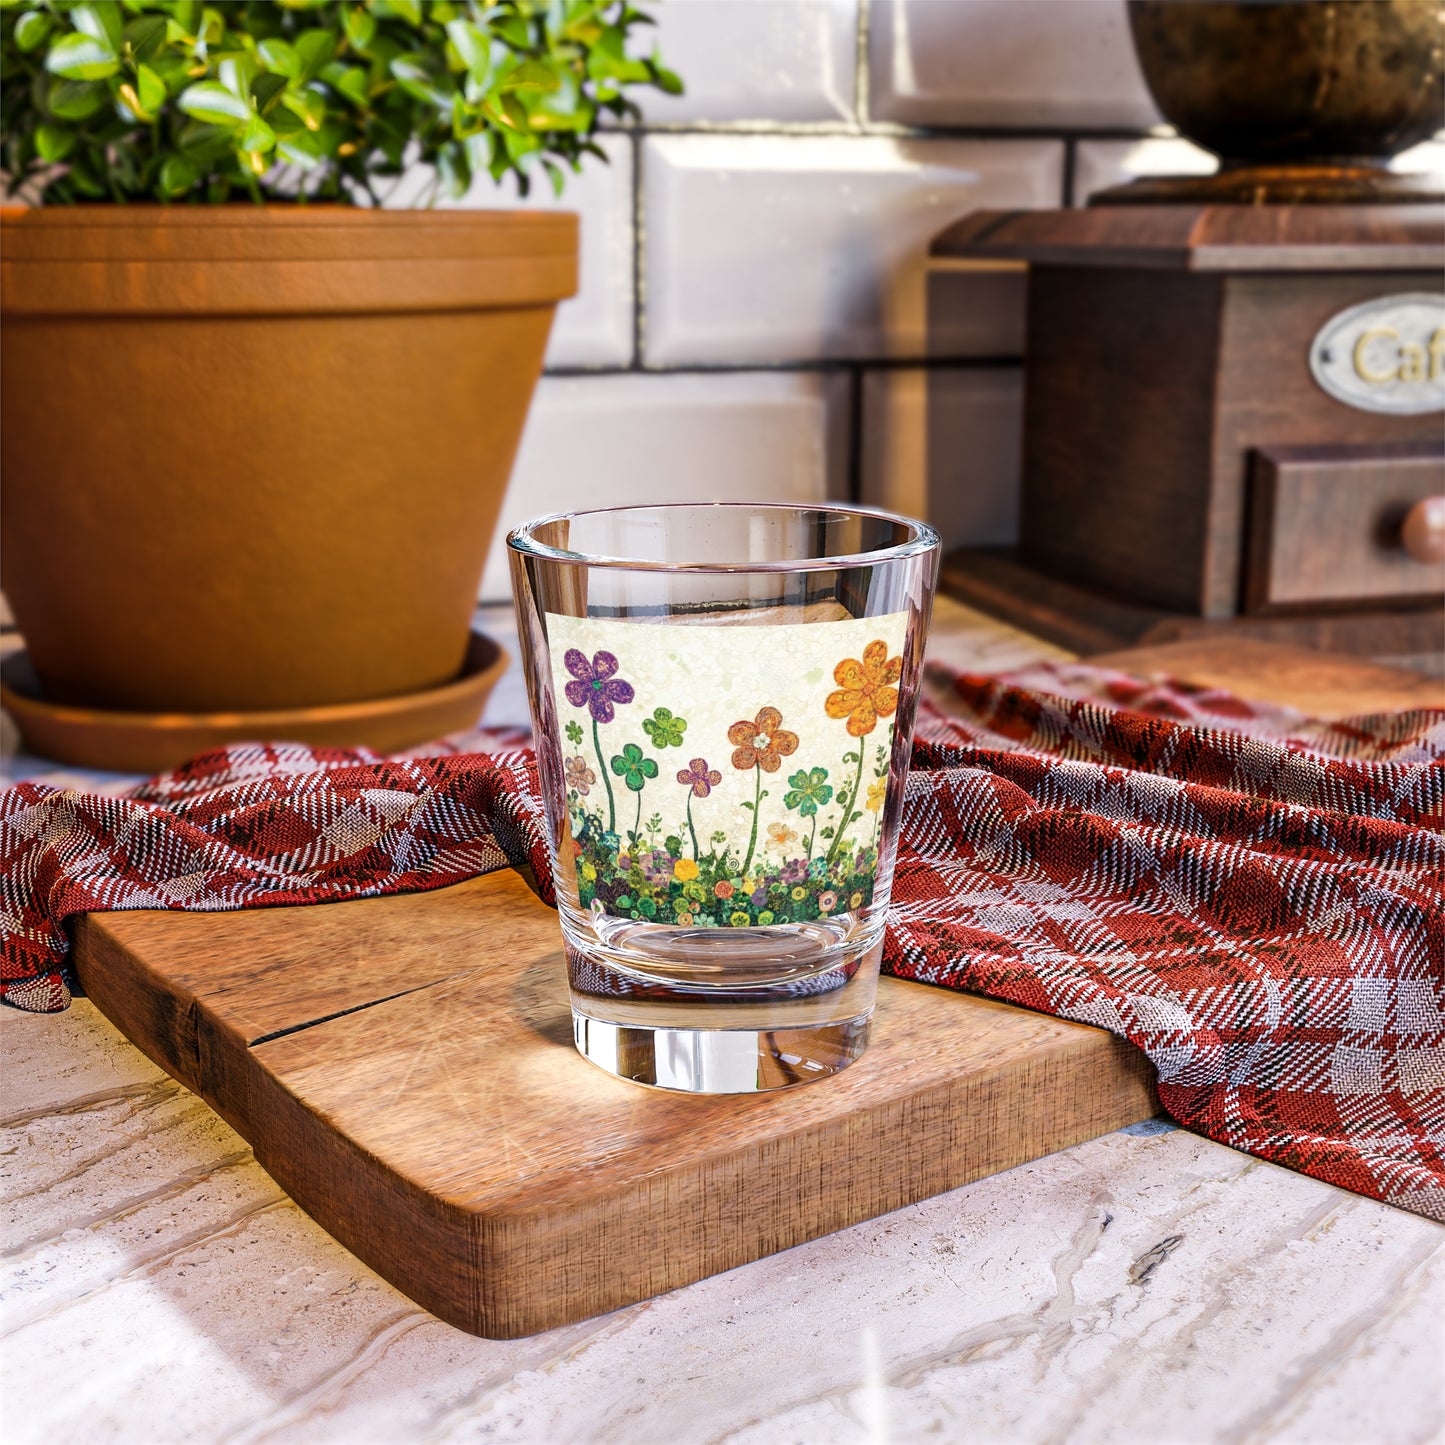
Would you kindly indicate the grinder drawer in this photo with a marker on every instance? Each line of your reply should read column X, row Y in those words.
column 1326, row 526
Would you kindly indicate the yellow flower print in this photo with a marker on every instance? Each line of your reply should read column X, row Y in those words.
column 780, row 835
column 877, row 795
column 867, row 689
column 684, row 870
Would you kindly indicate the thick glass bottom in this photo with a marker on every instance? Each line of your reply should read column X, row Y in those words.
column 720, row 1061
column 725, row 1027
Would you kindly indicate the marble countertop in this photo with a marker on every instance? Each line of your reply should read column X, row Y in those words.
column 1148, row 1286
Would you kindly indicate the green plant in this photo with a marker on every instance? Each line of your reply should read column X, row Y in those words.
column 174, row 100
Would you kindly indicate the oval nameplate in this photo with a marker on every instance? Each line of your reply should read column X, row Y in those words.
column 1385, row 355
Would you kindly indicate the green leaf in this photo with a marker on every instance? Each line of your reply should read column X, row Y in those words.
column 145, row 36
column 308, row 107
column 301, row 148
column 150, row 88
column 265, row 89
column 81, row 178
column 455, row 173
column 75, row 99
column 208, row 101
column 31, row 28
column 513, row 29
column 408, row 10
column 102, row 21
column 667, row 81
column 53, row 142
column 187, row 14
column 204, row 145
column 360, row 27
column 474, row 46
column 414, row 78
column 177, row 175
column 279, row 57
column 349, row 80
column 531, row 75
column 82, row 57
column 232, row 73
column 515, row 112
column 258, row 136
column 511, row 87
column 314, row 48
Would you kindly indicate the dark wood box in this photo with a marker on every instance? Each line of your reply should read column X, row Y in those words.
column 1168, row 361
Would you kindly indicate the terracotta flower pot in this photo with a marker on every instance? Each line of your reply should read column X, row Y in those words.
column 253, row 457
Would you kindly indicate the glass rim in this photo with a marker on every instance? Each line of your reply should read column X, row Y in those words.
column 924, row 539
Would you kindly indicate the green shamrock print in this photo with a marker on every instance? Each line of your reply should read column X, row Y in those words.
column 574, row 734
column 633, row 768
column 665, row 730
column 808, row 791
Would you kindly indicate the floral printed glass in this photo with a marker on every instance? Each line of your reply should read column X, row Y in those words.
column 723, row 700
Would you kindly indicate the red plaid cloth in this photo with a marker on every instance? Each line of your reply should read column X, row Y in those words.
column 1252, row 898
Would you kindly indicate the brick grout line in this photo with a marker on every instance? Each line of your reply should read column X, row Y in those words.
column 863, row 130
column 825, row 364
column 855, row 434
column 861, row 97
column 639, row 276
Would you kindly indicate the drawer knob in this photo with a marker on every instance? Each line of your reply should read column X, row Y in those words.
column 1423, row 531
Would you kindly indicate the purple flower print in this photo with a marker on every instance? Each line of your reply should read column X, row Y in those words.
column 699, row 780
column 657, row 867
column 795, row 871
column 594, row 684
column 697, row 777
column 596, row 687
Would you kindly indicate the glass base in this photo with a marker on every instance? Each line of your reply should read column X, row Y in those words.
column 720, row 1061
column 720, row 1017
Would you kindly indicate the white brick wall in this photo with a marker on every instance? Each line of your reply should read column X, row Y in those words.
column 757, row 314
column 758, row 60
column 754, row 259
column 786, row 248
column 704, row 436
column 1045, row 63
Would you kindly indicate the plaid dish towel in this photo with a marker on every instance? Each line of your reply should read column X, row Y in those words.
column 1255, row 899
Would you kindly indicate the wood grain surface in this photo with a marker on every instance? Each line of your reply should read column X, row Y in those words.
column 1327, row 525
column 1146, row 394
column 1318, row 683
column 404, row 1068
column 1206, row 238
column 1091, row 620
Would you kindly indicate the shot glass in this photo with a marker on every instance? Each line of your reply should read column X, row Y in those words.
column 723, row 699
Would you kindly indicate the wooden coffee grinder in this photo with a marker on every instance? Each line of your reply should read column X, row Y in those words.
column 1234, row 383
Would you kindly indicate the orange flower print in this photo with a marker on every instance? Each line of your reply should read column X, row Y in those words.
column 867, row 690
column 763, row 743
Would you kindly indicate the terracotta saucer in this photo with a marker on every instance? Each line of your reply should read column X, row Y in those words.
column 141, row 742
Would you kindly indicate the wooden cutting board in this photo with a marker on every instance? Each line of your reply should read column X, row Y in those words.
column 403, row 1067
